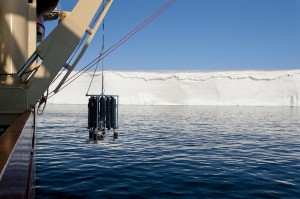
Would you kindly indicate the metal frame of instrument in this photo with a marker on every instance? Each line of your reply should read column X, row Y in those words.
column 98, row 132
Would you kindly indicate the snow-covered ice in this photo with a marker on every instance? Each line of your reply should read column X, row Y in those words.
column 232, row 88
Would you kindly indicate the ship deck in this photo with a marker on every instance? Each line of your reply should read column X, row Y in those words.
column 17, row 155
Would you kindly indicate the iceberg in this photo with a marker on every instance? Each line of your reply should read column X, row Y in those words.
column 215, row 88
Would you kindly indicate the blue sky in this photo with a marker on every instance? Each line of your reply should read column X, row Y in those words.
column 201, row 35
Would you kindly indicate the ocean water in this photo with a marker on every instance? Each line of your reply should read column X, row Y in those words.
column 171, row 152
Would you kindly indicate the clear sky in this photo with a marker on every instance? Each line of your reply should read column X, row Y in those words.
column 201, row 35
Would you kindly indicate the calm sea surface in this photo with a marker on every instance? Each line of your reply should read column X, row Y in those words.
column 171, row 152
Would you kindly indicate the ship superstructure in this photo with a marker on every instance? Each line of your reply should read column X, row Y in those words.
column 28, row 65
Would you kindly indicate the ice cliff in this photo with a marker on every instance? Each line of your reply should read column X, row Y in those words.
column 232, row 88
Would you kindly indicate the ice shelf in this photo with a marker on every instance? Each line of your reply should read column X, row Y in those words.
column 228, row 88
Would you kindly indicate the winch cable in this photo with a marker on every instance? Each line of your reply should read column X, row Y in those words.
column 81, row 42
column 115, row 46
column 125, row 38
column 102, row 66
column 93, row 76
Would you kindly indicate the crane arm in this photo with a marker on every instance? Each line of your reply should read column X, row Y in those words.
column 57, row 48
column 70, row 68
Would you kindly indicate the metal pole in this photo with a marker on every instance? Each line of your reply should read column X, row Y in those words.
column 31, row 59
